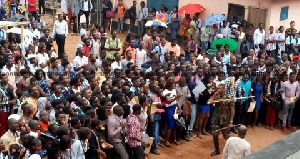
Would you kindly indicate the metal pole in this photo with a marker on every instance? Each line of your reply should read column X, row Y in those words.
column 26, row 11
column 97, row 11
column 53, row 10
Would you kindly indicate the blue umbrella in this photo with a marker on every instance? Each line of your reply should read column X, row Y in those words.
column 214, row 19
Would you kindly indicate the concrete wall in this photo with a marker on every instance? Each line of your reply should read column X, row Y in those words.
column 221, row 6
column 293, row 14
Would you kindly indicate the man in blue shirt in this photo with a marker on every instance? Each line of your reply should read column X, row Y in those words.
column 241, row 110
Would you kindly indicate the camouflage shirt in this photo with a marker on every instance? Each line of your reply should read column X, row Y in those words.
column 222, row 110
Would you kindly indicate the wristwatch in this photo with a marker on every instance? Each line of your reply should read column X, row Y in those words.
column 231, row 122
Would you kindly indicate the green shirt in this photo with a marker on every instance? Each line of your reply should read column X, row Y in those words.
column 112, row 44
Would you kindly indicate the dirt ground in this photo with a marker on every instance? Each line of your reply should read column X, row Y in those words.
column 259, row 137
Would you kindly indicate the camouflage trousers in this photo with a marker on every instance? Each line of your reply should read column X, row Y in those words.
column 225, row 133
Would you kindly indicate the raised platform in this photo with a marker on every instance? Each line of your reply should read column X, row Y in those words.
column 286, row 148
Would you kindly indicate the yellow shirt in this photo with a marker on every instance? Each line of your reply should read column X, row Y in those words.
column 10, row 137
column 33, row 102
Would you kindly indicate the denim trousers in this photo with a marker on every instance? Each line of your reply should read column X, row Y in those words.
column 204, row 46
column 193, row 117
column 173, row 33
column 141, row 27
column 120, row 24
column 156, row 132
column 287, row 113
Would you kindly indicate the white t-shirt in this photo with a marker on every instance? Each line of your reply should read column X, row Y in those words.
column 172, row 95
column 42, row 58
column 80, row 61
column 236, row 148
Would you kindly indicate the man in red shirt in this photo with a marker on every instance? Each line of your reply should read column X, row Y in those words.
column 86, row 47
column 32, row 7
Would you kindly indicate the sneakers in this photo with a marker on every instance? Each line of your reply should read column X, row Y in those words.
column 284, row 129
column 155, row 151
column 168, row 144
column 177, row 142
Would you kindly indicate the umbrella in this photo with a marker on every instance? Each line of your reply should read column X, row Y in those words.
column 214, row 19
column 27, row 32
column 16, row 17
column 191, row 8
column 155, row 23
column 233, row 45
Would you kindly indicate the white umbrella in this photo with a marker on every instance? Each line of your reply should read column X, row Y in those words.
column 26, row 32
column 155, row 23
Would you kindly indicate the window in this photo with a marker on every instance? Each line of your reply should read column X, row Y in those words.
column 284, row 13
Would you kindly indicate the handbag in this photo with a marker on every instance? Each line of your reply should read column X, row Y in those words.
column 110, row 14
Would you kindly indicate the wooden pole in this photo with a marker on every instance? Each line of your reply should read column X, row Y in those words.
column 22, row 33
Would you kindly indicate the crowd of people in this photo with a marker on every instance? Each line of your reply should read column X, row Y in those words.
column 125, row 99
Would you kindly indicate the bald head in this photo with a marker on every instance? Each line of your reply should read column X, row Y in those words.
column 242, row 131
column 118, row 110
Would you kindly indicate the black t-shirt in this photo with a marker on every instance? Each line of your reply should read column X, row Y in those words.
column 48, row 43
column 2, row 62
column 132, row 12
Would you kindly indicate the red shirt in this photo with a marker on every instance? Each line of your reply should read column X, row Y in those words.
column 32, row 8
column 86, row 50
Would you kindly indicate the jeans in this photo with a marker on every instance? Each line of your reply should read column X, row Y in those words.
column 193, row 117
column 75, row 24
column 173, row 33
column 156, row 132
column 241, row 112
column 287, row 113
column 13, row 9
column 204, row 46
column 120, row 24
column 131, row 26
column 250, row 45
column 141, row 27
column 187, row 56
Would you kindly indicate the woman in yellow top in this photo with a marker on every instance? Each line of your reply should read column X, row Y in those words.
column 121, row 9
column 185, row 25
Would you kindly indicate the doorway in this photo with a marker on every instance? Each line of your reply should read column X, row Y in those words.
column 235, row 10
column 256, row 16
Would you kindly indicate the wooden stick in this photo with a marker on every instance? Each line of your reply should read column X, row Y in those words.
column 223, row 100
column 227, row 127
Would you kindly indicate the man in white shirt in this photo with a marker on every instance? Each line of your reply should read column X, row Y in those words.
column 60, row 31
column 80, row 61
column 35, row 31
column 225, row 30
column 141, row 55
column 237, row 147
column 259, row 35
column 142, row 18
column 117, row 63
column 86, row 7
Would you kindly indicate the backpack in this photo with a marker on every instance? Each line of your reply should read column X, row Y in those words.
column 127, row 14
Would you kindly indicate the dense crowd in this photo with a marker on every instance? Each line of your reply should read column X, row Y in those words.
column 125, row 99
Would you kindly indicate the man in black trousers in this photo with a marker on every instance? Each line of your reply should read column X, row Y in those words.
column 60, row 31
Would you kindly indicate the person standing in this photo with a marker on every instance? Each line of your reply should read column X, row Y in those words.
column 291, row 41
column 60, row 31
column 107, row 6
column 259, row 36
column 134, row 133
column 281, row 40
column 290, row 94
column 205, row 35
column 271, row 43
column 223, row 117
column 132, row 17
column 75, row 8
column 112, row 45
column 115, row 127
column 141, row 55
column 41, row 5
column 142, row 18
column 174, row 25
column 32, row 7
column 121, row 8
column 86, row 7
column 237, row 147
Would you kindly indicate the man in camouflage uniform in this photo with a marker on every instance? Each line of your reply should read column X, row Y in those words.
column 223, row 117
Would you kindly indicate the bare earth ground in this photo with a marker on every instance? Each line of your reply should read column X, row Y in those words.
column 198, row 148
